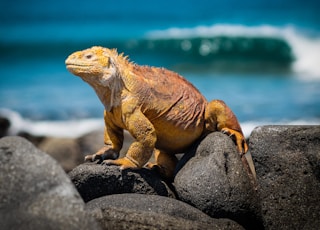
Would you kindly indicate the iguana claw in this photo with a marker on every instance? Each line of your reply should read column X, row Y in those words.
column 104, row 153
column 238, row 138
column 92, row 157
column 243, row 150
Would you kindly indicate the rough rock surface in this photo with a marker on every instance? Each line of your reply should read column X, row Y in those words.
column 137, row 211
column 95, row 180
column 35, row 192
column 215, row 181
column 287, row 160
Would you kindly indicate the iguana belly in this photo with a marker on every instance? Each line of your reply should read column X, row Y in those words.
column 173, row 139
column 176, row 130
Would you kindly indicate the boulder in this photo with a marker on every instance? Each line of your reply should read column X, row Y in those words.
column 138, row 211
column 35, row 192
column 216, row 182
column 65, row 150
column 35, row 140
column 4, row 126
column 93, row 141
column 94, row 180
column 287, row 160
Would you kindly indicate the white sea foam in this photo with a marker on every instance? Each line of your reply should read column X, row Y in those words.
column 217, row 30
column 305, row 49
column 77, row 128
column 307, row 53
column 67, row 128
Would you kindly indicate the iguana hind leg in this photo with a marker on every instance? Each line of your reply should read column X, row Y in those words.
column 219, row 117
column 238, row 139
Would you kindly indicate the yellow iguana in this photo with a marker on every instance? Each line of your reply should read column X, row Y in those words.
column 163, row 112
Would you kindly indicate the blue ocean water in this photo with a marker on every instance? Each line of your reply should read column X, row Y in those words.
column 261, row 57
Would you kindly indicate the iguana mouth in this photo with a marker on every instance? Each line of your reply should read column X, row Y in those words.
column 76, row 67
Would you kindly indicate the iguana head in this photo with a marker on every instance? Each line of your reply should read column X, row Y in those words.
column 94, row 65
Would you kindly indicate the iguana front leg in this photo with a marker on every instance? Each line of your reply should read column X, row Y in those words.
column 113, row 140
column 141, row 150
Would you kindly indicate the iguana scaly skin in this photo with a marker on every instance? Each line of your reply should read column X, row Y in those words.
column 163, row 112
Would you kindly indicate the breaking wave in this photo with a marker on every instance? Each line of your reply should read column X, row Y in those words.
column 220, row 48
column 283, row 47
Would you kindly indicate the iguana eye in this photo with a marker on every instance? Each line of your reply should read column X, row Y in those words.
column 88, row 56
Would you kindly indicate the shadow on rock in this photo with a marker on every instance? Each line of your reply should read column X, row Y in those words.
column 94, row 180
column 137, row 211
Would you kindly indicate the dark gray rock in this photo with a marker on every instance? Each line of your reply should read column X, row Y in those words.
column 150, row 203
column 95, row 180
column 216, row 182
column 4, row 126
column 35, row 192
column 287, row 160
column 137, row 211
column 35, row 140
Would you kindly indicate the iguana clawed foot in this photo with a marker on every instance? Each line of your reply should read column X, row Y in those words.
column 124, row 163
column 104, row 153
column 238, row 138
column 242, row 147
